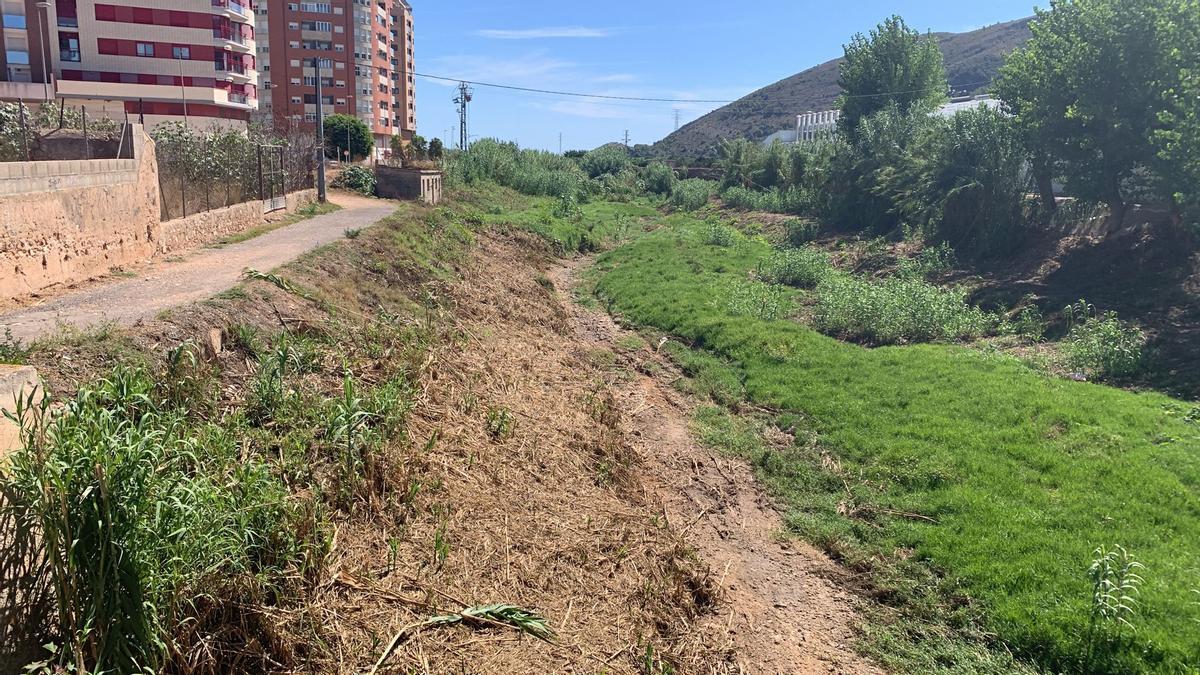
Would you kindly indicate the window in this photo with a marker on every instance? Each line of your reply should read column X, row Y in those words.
column 341, row 101
column 295, row 63
column 294, row 44
column 14, row 21
column 180, row 52
column 145, row 49
column 340, row 84
column 17, row 56
column 292, row 25
column 68, row 47
column 340, row 66
column 339, row 29
column 68, row 16
column 339, row 48
column 295, row 99
column 296, row 80
column 292, row 7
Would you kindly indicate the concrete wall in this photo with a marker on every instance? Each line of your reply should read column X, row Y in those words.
column 206, row 227
column 67, row 221
column 396, row 183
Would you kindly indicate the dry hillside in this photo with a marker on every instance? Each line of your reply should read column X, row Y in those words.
column 972, row 60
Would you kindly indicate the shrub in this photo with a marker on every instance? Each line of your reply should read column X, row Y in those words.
column 357, row 178
column 896, row 310
column 760, row 300
column 719, row 234
column 801, row 232
column 660, row 178
column 801, row 267
column 608, row 159
column 691, row 194
column 530, row 172
column 931, row 260
column 1102, row 345
column 567, row 207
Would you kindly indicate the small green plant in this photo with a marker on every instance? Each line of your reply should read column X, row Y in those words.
column 932, row 260
column 798, row 267
column 11, row 349
column 246, row 338
column 500, row 422
column 660, row 178
column 567, row 207
column 188, row 383
column 441, row 545
column 896, row 310
column 1115, row 581
column 760, row 300
column 352, row 232
column 1102, row 345
column 1029, row 324
column 349, row 431
column 719, row 234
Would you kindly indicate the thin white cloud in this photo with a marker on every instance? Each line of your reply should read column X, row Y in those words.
column 526, row 70
column 615, row 78
column 544, row 33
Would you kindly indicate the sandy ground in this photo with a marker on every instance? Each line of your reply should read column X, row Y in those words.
column 785, row 615
column 199, row 275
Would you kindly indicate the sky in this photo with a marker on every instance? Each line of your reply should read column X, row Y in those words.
column 671, row 49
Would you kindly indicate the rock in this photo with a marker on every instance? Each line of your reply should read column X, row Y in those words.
column 214, row 343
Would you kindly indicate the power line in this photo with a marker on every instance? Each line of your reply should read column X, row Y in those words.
column 646, row 99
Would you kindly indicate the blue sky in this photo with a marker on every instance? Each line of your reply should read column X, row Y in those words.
column 703, row 49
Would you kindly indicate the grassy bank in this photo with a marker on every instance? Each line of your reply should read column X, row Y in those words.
column 953, row 477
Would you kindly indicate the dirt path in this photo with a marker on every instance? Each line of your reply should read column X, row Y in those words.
column 202, row 274
column 784, row 614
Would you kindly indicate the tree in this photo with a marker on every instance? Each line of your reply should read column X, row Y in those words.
column 1178, row 139
column 740, row 160
column 418, row 148
column 347, row 131
column 1087, row 90
column 436, row 149
column 606, row 159
column 774, row 170
column 894, row 65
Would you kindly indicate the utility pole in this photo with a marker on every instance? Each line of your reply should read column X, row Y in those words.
column 627, row 138
column 320, row 135
column 463, row 98
column 677, row 111
column 182, row 90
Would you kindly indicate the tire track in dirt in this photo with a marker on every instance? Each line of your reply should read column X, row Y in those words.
column 782, row 613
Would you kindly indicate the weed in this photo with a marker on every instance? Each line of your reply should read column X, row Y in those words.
column 352, row 232
column 931, row 261
column 441, row 545
column 188, row 384
column 800, row 267
column 349, row 431
column 567, row 207
column 1029, row 324
column 1101, row 344
column 896, row 310
column 1115, row 583
column 719, row 234
column 760, row 300
column 500, row 423
column 691, row 194
column 246, row 338
column 11, row 349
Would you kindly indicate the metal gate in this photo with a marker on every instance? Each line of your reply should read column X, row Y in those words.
column 272, row 179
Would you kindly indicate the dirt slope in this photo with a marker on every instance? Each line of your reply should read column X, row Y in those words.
column 972, row 60
column 783, row 614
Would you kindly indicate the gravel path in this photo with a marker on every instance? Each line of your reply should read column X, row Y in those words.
column 200, row 275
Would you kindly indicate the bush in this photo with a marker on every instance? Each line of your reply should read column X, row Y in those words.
column 801, row 267
column 930, row 261
column 896, row 310
column 608, row 159
column 719, row 234
column 1102, row 345
column 531, row 172
column 567, row 208
column 357, row 178
column 660, row 178
column 801, row 232
column 691, row 194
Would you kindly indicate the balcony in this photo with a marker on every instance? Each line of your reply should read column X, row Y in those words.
column 233, row 9
column 233, row 39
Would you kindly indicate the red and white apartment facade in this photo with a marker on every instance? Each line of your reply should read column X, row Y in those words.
column 364, row 50
column 201, row 60
column 170, row 60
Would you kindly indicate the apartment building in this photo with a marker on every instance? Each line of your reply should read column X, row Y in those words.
column 188, row 60
column 361, row 49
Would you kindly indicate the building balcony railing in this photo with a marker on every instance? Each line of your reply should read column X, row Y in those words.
column 243, row 10
column 230, row 36
column 68, row 55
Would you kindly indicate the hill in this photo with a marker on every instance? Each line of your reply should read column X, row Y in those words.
column 972, row 60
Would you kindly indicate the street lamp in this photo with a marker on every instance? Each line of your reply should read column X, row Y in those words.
column 44, row 12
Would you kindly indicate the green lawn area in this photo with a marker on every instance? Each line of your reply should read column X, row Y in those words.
column 595, row 225
column 998, row 478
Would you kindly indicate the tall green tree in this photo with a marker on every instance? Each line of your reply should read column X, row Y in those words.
column 1087, row 91
column 1178, row 138
column 894, row 65
column 344, row 132
column 436, row 149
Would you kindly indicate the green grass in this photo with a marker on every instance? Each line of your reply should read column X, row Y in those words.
column 596, row 224
column 303, row 213
column 946, row 469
